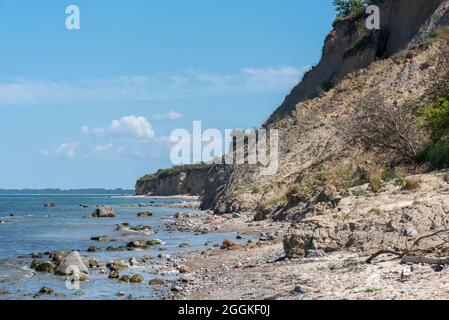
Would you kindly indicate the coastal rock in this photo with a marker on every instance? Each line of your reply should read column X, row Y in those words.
column 84, row 206
column 133, row 262
column 50, row 205
column 154, row 242
column 229, row 245
column 104, row 212
column 93, row 249
column 101, row 239
column 145, row 214
column 114, row 275
column 2, row 222
column 73, row 263
column 137, row 244
column 157, row 282
column 125, row 279
column 137, row 278
column 93, row 263
column 36, row 255
column 46, row 291
column 296, row 244
column 46, row 267
column 58, row 256
column 117, row 266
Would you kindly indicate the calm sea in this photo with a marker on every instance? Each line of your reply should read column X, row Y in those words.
column 34, row 228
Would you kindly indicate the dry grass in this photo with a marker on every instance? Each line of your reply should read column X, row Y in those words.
column 412, row 183
column 375, row 179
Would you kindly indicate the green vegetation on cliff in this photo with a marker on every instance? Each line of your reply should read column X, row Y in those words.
column 162, row 173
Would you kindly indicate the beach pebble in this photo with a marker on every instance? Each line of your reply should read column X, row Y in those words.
column 302, row 289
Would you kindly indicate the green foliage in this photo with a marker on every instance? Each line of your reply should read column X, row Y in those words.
column 348, row 7
column 435, row 119
column 163, row 173
column 255, row 190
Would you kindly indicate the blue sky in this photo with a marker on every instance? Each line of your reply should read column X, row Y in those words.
column 94, row 107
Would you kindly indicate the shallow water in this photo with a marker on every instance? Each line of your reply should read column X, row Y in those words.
column 34, row 228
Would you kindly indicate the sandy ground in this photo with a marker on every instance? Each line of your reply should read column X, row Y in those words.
column 256, row 274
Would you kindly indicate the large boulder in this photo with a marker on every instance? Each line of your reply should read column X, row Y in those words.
column 104, row 212
column 297, row 244
column 72, row 263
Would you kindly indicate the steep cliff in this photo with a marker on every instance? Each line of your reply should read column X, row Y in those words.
column 349, row 48
column 404, row 65
column 183, row 180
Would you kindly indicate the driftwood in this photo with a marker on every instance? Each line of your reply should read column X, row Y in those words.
column 424, row 260
column 382, row 252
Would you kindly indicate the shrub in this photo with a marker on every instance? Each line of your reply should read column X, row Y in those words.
column 412, row 183
column 379, row 126
column 349, row 7
column 255, row 190
column 435, row 120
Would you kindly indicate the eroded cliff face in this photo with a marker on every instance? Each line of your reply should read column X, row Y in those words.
column 405, row 63
column 349, row 48
column 189, row 182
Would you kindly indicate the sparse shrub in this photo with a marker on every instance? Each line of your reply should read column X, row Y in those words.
column 446, row 177
column 379, row 126
column 399, row 182
column 255, row 190
column 412, row 183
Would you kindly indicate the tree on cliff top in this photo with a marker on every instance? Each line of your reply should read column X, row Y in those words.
column 348, row 7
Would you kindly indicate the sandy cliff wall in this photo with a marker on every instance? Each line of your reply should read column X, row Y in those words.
column 403, row 63
column 189, row 182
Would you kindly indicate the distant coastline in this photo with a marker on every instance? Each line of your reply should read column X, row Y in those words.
column 92, row 191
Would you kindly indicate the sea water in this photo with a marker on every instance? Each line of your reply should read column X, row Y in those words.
column 67, row 226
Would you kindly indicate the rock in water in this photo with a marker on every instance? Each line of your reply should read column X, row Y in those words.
column 46, row 267
column 101, row 239
column 137, row 278
column 137, row 244
column 157, row 282
column 104, row 212
column 46, row 291
column 72, row 263
column 145, row 214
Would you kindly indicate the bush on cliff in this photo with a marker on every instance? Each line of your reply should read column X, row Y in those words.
column 348, row 7
column 435, row 120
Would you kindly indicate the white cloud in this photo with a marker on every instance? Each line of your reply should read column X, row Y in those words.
column 127, row 126
column 192, row 83
column 171, row 115
column 64, row 149
column 103, row 147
